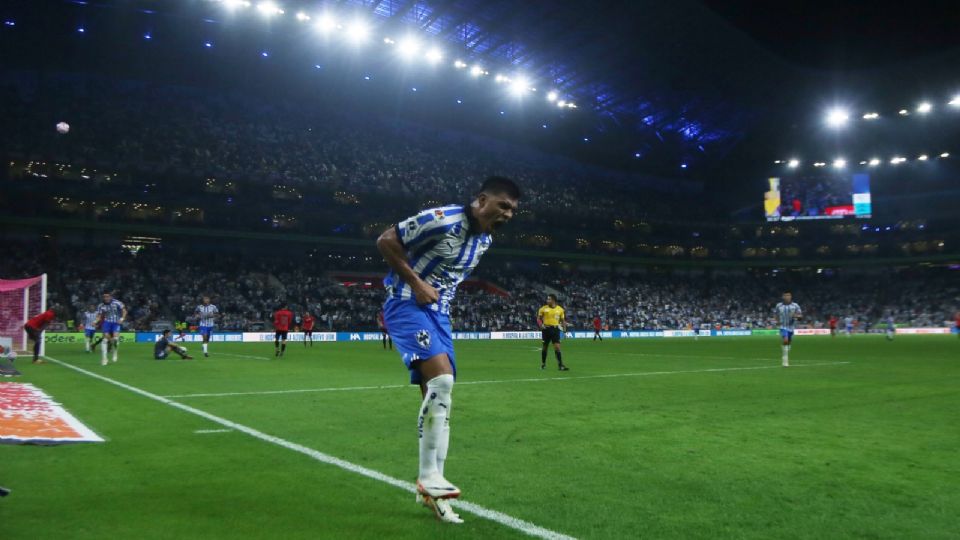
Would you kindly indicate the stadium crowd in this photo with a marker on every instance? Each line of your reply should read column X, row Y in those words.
column 162, row 286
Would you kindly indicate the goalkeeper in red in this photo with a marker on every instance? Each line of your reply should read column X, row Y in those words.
column 35, row 327
column 429, row 255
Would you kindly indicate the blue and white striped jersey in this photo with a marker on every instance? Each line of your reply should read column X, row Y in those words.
column 786, row 314
column 111, row 312
column 441, row 249
column 90, row 320
column 207, row 314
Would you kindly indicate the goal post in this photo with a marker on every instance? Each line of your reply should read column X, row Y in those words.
column 20, row 299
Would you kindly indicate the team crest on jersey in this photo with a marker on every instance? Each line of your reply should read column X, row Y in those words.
column 412, row 225
column 438, row 213
column 423, row 338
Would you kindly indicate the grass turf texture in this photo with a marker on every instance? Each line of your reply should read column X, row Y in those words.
column 859, row 450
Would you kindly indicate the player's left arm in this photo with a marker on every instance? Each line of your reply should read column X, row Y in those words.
column 798, row 314
column 563, row 320
column 123, row 313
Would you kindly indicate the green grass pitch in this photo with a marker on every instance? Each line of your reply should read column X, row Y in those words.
column 641, row 439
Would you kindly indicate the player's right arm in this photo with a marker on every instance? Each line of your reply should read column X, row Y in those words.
column 393, row 251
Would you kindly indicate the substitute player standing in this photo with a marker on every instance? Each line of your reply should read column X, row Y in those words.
column 281, row 327
column 308, row 322
column 208, row 314
column 787, row 314
column 596, row 328
column 551, row 321
column 111, row 315
column 35, row 327
column 833, row 326
column 429, row 254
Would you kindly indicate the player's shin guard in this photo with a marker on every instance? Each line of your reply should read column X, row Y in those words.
column 431, row 422
column 444, row 443
column 116, row 347
column 204, row 348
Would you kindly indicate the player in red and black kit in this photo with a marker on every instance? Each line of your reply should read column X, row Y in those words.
column 384, row 334
column 596, row 328
column 833, row 326
column 35, row 327
column 281, row 326
column 308, row 322
column 956, row 323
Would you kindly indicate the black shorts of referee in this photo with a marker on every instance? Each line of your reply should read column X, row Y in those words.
column 551, row 334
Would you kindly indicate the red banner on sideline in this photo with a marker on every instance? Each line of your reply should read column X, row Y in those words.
column 29, row 416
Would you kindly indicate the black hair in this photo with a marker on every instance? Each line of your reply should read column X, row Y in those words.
column 165, row 332
column 501, row 185
column 552, row 296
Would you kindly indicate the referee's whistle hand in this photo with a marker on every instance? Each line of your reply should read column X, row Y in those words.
column 426, row 294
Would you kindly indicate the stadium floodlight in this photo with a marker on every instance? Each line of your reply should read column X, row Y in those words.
column 551, row 96
column 897, row 160
column 326, row 24
column 945, row 155
column 923, row 157
column 924, row 107
column 571, row 105
column 561, row 103
column 837, row 117
column 434, row 55
column 408, row 47
column 864, row 162
column 793, row 163
column 871, row 116
column 269, row 9
column 500, row 78
column 302, row 17
column 476, row 71
column 955, row 101
column 819, row 164
column 873, row 162
column 519, row 86
column 459, row 64
column 903, row 112
column 839, row 163
column 234, row 4
column 358, row 32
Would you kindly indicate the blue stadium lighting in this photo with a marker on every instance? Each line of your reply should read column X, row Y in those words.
column 945, row 155
column 147, row 37
column 208, row 44
column 477, row 71
column 459, row 64
column 873, row 162
column 408, row 47
column 793, row 163
column 264, row 54
column 302, row 17
column 414, row 89
column 82, row 30
column 317, row 66
column 955, row 102
column 544, row 126
column 903, row 112
column 9, row 23
column 551, row 96
column 683, row 165
column 519, row 86
column 502, row 113
column 924, row 107
column 358, row 32
column 235, row 4
column 923, row 157
column 459, row 102
column 839, row 163
column 586, row 139
column 871, row 116
column 366, row 77
column 636, row 155
column 561, row 103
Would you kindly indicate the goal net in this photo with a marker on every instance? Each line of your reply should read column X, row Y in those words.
column 20, row 299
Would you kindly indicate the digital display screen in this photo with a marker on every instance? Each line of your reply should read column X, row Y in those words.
column 827, row 196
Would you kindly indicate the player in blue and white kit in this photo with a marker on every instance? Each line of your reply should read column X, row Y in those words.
column 848, row 323
column 111, row 315
column 891, row 327
column 787, row 314
column 429, row 255
column 207, row 313
column 89, row 327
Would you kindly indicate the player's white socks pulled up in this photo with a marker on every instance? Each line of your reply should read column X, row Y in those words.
column 431, row 423
column 116, row 348
column 444, row 443
column 204, row 348
column 786, row 355
column 104, row 347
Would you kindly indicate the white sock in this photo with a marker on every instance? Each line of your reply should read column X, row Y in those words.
column 444, row 443
column 104, row 347
column 433, row 413
column 87, row 346
column 116, row 347
column 204, row 348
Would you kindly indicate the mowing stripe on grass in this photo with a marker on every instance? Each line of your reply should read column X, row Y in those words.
column 501, row 381
column 509, row 521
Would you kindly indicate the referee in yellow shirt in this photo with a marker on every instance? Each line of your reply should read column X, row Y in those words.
column 551, row 321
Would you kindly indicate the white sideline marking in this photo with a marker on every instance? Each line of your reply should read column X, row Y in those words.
column 241, row 356
column 509, row 521
column 501, row 381
column 213, row 431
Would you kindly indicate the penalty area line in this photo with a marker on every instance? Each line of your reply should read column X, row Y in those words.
column 501, row 381
column 492, row 515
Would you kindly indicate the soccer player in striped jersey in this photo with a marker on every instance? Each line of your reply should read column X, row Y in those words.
column 429, row 255
column 207, row 314
column 787, row 314
column 89, row 327
column 110, row 315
